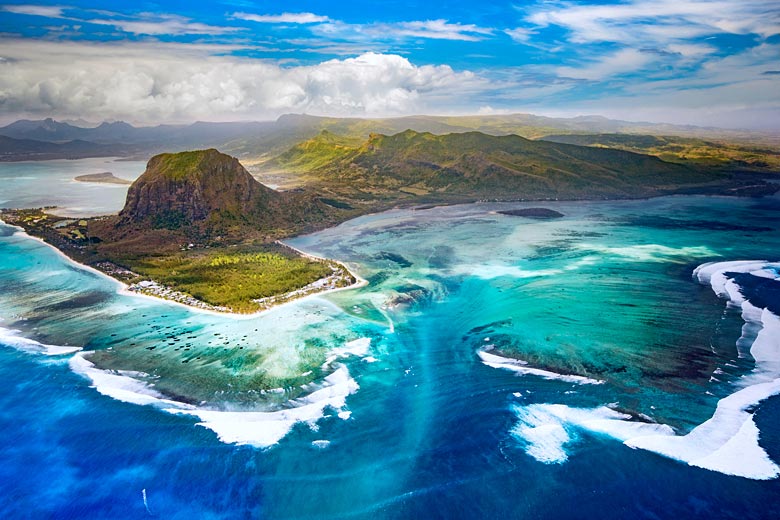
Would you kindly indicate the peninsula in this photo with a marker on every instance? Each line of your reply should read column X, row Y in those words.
column 198, row 229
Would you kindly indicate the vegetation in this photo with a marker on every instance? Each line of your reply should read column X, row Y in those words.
column 232, row 280
column 683, row 150
column 423, row 167
column 205, row 196
column 315, row 153
column 258, row 142
column 291, row 128
column 177, row 166
column 227, row 277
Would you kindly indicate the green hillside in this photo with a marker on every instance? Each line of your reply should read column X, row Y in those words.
column 473, row 165
column 680, row 149
column 318, row 152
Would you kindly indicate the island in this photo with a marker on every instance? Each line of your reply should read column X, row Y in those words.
column 102, row 178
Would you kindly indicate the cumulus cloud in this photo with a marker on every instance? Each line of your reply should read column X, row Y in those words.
column 154, row 82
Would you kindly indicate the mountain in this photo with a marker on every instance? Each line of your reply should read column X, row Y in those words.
column 260, row 141
column 207, row 196
column 200, row 188
column 319, row 151
column 472, row 165
column 688, row 150
column 119, row 132
column 30, row 150
column 43, row 130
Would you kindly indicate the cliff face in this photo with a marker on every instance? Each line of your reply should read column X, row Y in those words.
column 190, row 188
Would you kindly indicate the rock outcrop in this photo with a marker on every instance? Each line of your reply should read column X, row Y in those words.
column 204, row 195
column 191, row 188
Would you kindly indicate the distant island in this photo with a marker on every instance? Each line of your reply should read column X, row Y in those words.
column 199, row 229
column 103, row 178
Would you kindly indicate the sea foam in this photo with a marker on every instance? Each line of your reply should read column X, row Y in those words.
column 259, row 429
column 546, row 429
column 119, row 385
column 12, row 339
column 358, row 347
column 521, row 367
column 264, row 429
column 728, row 442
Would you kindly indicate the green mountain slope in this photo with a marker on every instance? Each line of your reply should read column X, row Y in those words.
column 473, row 165
column 680, row 149
column 319, row 151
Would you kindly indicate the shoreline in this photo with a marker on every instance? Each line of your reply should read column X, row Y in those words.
column 124, row 289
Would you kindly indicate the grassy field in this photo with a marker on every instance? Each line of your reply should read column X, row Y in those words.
column 231, row 277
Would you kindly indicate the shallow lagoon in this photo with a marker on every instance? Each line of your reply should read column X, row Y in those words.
column 406, row 419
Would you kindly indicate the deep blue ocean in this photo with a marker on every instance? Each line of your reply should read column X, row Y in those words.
column 622, row 361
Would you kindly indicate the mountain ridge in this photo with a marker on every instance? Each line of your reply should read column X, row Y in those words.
column 472, row 166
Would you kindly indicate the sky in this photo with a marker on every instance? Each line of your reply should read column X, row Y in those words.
column 708, row 63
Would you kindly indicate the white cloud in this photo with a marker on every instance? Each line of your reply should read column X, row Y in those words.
column 439, row 29
column 647, row 21
column 299, row 18
column 691, row 50
column 163, row 24
column 621, row 62
column 520, row 34
column 156, row 82
column 435, row 29
column 729, row 92
column 377, row 32
column 143, row 23
column 35, row 10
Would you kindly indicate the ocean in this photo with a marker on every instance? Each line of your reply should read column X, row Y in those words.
column 620, row 361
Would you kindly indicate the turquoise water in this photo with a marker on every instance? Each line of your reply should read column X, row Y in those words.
column 33, row 184
column 384, row 401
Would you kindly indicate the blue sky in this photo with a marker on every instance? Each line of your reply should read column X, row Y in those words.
column 714, row 62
